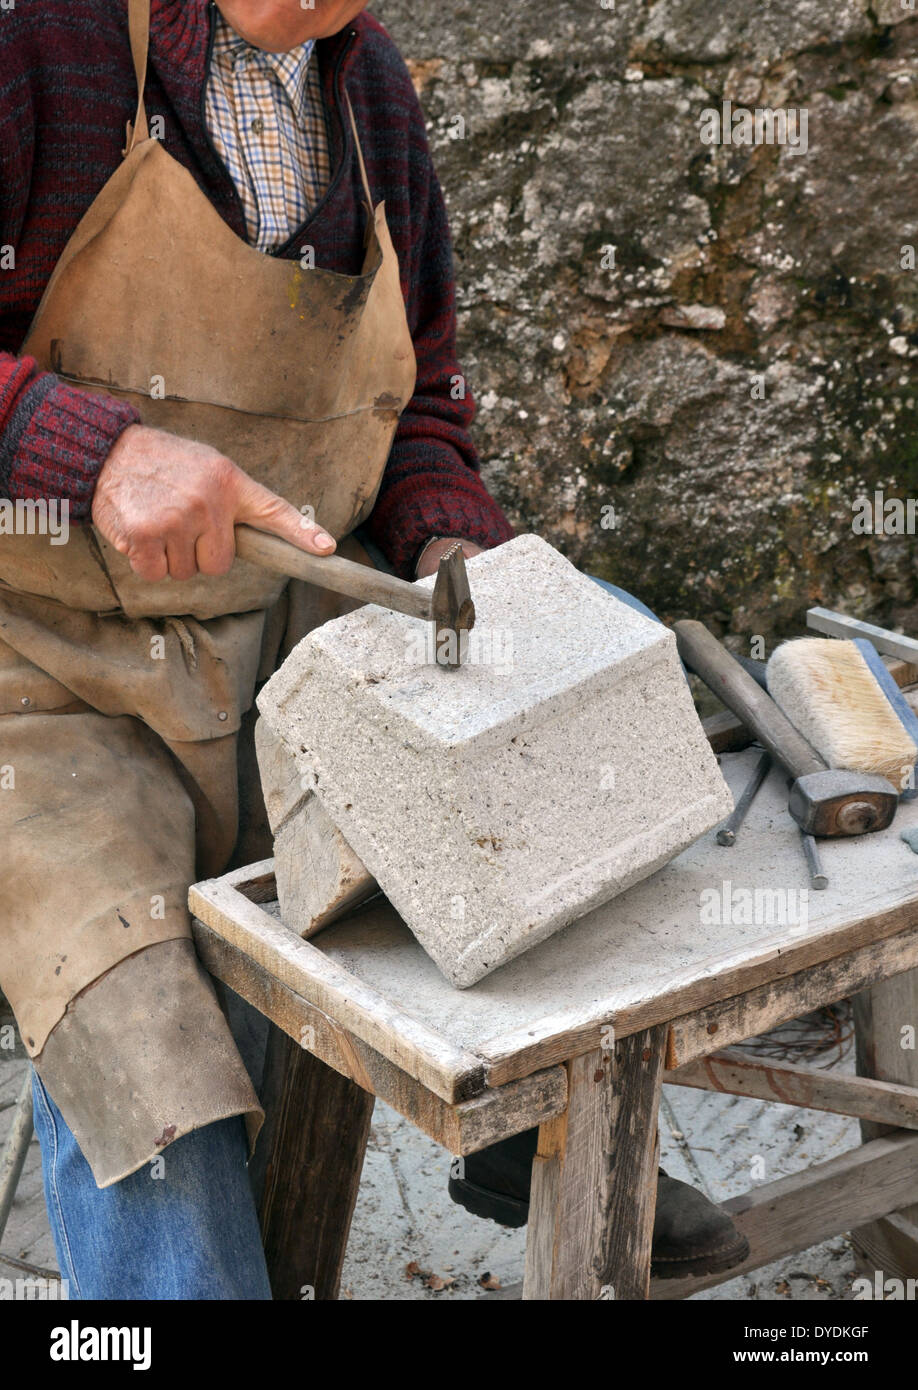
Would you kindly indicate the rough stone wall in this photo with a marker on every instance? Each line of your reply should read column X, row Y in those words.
column 746, row 368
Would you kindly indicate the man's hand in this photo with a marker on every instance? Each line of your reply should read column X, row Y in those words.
column 170, row 505
column 430, row 558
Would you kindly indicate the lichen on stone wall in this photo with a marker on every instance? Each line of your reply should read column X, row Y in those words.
column 711, row 346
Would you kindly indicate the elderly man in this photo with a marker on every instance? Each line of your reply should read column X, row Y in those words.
column 226, row 296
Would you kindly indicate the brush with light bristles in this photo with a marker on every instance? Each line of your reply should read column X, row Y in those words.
column 841, row 697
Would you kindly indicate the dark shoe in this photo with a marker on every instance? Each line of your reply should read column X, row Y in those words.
column 495, row 1181
column 690, row 1235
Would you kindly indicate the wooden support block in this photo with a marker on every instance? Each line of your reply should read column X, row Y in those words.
column 463, row 1127
column 726, row 733
column 307, row 1167
column 904, row 673
column 886, row 1030
column 805, row 1208
column 595, row 1176
column 739, row 1074
column 747, row 1015
column 281, row 784
column 319, row 877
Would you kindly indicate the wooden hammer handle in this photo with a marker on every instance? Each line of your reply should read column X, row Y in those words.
column 722, row 674
column 333, row 572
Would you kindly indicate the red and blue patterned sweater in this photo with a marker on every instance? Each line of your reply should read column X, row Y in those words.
column 66, row 90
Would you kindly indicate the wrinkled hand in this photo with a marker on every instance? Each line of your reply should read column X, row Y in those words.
column 170, row 506
column 431, row 557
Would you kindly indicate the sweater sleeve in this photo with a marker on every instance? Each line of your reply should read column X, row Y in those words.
column 53, row 438
column 432, row 485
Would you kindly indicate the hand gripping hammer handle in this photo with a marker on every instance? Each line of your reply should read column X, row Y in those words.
column 449, row 604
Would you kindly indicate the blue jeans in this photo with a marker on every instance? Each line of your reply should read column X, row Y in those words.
column 190, row 1234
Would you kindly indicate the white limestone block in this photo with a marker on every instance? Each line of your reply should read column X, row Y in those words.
column 563, row 762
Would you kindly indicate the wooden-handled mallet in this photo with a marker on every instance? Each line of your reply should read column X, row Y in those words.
column 448, row 605
column 823, row 801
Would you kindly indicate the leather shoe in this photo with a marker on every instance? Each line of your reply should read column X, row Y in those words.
column 691, row 1235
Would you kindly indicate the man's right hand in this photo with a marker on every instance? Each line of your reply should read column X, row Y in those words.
column 170, row 505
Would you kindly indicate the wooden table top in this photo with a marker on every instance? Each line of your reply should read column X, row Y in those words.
column 657, row 952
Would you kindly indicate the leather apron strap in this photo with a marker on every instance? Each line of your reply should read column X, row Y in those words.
column 138, row 129
column 360, row 160
column 139, row 27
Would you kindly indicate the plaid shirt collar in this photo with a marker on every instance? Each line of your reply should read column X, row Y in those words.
column 290, row 68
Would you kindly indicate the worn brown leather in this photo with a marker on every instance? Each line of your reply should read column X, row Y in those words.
column 98, row 840
column 121, row 700
column 126, row 1065
column 298, row 375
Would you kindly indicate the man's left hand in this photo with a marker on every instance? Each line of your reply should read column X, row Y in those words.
column 430, row 558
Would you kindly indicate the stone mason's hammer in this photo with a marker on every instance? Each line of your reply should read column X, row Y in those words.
column 823, row 801
column 448, row 605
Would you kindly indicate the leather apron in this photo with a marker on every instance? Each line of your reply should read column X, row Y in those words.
column 120, row 699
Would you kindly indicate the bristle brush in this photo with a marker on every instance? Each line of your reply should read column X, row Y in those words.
column 841, row 697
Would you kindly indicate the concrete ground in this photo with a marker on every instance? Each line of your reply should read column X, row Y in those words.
column 410, row 1242
column 405, row 1221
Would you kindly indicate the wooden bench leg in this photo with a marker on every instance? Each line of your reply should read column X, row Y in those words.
column 307, row 1167
column 886, row 1027
column 594, row 1177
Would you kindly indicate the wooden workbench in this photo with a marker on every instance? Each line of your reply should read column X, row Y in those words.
column 578, row 1036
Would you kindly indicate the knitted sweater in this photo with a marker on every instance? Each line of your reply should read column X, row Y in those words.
column 66, row 90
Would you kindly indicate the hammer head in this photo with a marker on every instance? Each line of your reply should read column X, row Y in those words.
column 452, row 608
column 836, row 802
